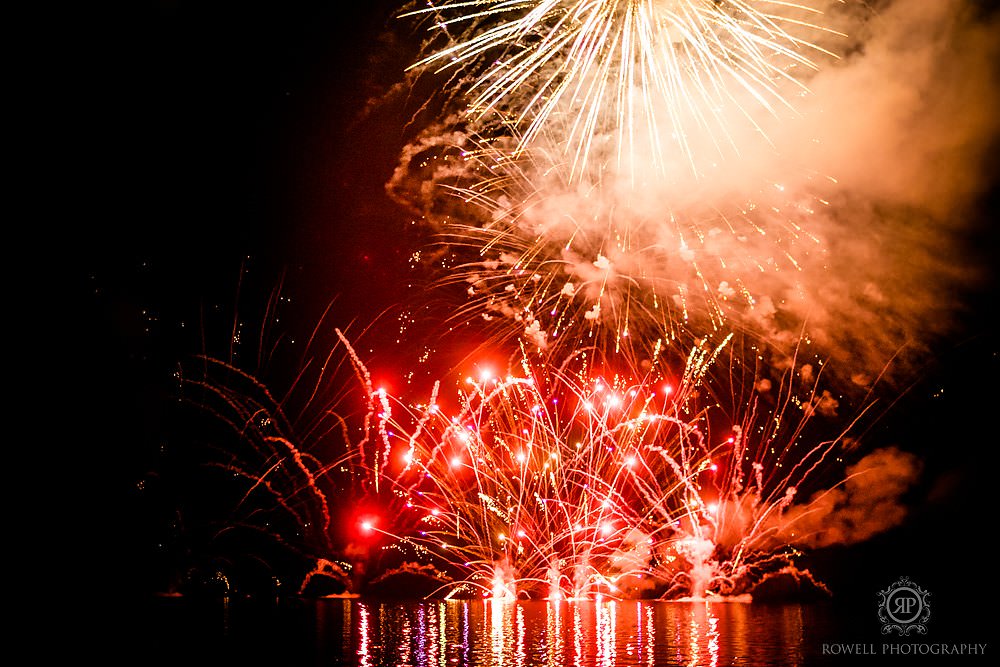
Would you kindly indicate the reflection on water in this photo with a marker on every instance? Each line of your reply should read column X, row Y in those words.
column 336, row 632
column 561, row 634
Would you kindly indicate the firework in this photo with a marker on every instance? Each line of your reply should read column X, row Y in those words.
column 295, row 462
column 612, row 78
column 576, row 481
column 600, row 476
column 591, row 214
column 559, row 265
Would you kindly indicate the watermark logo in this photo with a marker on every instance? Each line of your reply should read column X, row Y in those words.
column 904, row 608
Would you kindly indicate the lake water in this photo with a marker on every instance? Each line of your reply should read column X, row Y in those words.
column 581, row 633
column 335, row 632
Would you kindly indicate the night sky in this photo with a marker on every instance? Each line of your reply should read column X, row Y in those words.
column 214, row 150
column 217, row 151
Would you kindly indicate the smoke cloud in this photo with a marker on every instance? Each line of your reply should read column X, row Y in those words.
column 869, row 502
column 841, row 217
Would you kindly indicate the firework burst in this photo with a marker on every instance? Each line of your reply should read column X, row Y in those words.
column 613, row 78
column 579, row 480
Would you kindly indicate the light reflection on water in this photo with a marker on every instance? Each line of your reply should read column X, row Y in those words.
column 563, row 634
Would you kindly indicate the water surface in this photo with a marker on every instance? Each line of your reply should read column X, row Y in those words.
column 366, row 633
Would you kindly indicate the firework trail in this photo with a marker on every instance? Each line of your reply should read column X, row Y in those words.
column 298, row 465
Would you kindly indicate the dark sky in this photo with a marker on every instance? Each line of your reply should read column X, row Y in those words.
column 199, row 137
column 212, row 151
column 226, row 129
column 220, row 135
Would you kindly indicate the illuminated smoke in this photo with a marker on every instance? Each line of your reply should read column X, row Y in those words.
column 844, row 223
column 869, row 502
